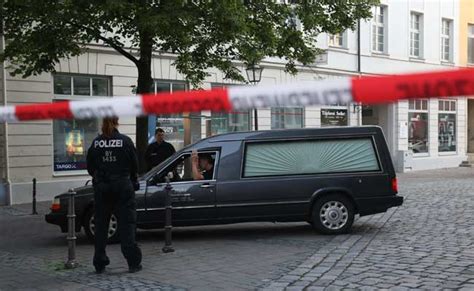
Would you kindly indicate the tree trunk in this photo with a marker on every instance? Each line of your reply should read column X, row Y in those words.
column 145, row 85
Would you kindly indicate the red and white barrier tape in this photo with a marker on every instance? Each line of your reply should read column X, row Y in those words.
column 367, row 90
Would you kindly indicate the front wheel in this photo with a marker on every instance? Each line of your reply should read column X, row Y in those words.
column 333, row 214
column 89, row 227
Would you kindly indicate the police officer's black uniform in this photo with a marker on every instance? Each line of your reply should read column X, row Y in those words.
column 157, row 153
column 113, row 164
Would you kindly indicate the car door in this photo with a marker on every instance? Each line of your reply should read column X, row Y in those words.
column 193, row 201
column 140, row 200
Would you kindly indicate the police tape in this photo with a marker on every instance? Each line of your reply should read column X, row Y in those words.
column 365, row 90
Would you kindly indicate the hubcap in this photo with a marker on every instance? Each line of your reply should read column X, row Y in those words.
column 112, row 225
column 333, row 215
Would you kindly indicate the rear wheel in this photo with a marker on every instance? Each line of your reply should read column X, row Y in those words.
column 333, row 214
column 89, row 227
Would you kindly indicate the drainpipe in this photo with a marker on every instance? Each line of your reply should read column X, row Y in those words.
column 358, row 49
column 5, row 125
column 359, row 69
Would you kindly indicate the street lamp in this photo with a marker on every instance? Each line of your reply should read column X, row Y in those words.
column 254, row 75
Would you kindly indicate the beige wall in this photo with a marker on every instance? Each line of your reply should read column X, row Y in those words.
column 466, row 17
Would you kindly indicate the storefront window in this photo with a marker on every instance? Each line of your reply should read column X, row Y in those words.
column 229, row 122
column 333, row 117
column 173, row 125
column 222, row 122
column 72, row 138
column 447, row 126
column 418, row 126
column 283, row 117
column 176, row 126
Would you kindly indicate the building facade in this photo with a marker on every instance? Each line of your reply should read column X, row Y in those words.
column 403, row 36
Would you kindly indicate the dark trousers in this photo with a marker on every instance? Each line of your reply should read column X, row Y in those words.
column 109, row 197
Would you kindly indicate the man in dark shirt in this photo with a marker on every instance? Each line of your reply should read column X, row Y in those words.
column 158, row 151
column 202, row 166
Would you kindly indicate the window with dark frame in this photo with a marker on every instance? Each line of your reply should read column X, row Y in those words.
column 418, row 126
column 223, row 122
column 447, row 132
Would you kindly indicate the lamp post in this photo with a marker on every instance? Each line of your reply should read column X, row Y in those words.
column 254, row 75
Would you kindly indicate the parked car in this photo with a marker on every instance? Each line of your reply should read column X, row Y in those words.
column 324, row 176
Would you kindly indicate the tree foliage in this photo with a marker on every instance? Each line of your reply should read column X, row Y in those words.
column 203, row 34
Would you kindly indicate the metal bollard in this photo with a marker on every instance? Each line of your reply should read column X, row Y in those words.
column 34, row 197
column 71, row 237
column 168, row 225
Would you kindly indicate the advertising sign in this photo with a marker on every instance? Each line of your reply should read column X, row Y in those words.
column 333, row 117
column 74, row 151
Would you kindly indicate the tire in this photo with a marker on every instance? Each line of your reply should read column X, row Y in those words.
column 89, row 226
column 333, row 214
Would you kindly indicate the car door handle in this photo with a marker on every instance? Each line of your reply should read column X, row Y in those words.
column 207, row 186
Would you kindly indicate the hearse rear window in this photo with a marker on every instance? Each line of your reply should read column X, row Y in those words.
column 310, row 157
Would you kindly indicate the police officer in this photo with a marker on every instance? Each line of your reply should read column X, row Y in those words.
column 158, row 151
column 113, row 164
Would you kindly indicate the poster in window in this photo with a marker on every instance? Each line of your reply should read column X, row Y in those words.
column 74, row 151
column 447, row 132
column 418, row 132
column 72, row 139
column 74, row 142
column 333, row 117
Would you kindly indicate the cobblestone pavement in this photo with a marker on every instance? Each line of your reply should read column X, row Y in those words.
column 425, row 244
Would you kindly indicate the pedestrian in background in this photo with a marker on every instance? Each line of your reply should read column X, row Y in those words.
column 113, row 164
column 158, row 151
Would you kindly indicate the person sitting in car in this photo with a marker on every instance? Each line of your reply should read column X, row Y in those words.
column 202, row 166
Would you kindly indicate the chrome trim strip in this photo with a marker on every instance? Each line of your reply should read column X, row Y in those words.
column 183, row 182
column 264, row 203
column 178, row 208
column 230, row 205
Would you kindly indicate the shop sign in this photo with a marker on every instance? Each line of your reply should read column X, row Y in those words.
column 69, row 166
column 333, row 117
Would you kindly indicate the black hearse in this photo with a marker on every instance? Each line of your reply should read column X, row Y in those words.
column 323, row 176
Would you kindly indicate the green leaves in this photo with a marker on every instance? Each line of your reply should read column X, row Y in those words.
column 203, row 34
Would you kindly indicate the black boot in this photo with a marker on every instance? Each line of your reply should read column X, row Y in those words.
column 134, row 269
column 100, row 269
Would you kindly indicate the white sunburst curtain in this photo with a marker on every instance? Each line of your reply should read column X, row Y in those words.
column 310, row 157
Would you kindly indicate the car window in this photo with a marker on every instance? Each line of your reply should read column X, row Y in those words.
column 181, row 169
column 310, row 157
